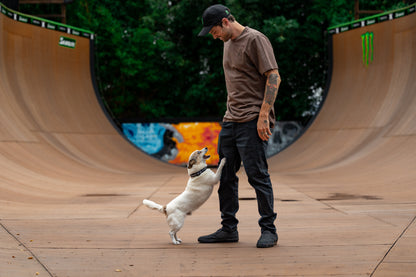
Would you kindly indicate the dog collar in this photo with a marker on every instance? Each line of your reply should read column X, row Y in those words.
column 196, row 174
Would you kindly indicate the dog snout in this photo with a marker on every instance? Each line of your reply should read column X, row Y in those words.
column 205, row 151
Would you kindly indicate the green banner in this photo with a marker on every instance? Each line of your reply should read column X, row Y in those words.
column 372, row 20
column 67, row 42
column 44, row 23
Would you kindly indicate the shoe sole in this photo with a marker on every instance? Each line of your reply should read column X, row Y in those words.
column 266, row 245
column 218, row 241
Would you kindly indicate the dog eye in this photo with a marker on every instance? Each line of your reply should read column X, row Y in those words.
column 199, row 152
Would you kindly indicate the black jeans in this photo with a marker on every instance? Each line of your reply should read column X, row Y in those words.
column 240, row 142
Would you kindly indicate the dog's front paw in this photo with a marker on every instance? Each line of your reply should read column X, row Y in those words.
column 223, row 161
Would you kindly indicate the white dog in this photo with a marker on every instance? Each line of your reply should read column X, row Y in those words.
column 198, row 190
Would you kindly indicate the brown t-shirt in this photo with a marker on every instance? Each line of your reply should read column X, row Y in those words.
column 245, row 61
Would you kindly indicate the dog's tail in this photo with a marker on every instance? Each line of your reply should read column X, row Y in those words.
column 154, row 206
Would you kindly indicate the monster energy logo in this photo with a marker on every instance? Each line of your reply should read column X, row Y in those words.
column 368, row 47
column 67, row 42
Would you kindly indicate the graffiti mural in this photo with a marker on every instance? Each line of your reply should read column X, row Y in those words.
column 197, row 136
column 284, row 133
column 173, row 143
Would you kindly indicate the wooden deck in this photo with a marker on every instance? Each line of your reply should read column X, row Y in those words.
column 71, row 186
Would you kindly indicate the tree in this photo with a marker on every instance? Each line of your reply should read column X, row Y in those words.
column 150, row 63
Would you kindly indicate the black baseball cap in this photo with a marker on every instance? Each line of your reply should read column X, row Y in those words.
column 212, row 16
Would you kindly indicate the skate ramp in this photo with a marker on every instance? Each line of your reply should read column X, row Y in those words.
column 365, row 135
column 71, row 185
column 358, row 156
column 55, row 137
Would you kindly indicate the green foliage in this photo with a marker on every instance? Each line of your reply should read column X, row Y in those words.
column 150, row 64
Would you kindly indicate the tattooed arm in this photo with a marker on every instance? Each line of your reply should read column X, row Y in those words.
column 272, row 86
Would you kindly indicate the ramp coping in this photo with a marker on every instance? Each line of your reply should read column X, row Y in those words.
column 45, row 23
column 370, row 20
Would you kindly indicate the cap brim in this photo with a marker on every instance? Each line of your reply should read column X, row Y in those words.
column 205, row 30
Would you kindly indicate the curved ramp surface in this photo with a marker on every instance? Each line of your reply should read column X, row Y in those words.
column 71, row 186
column 365, row 134
column 358, row 157
column 55, row 139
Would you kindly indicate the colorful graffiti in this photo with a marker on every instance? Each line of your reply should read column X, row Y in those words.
column 197, row 136
column 173, row 143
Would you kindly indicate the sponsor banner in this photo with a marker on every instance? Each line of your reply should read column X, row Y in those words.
column 356, row 25
column 372, row 20
column 344, row 28
column 75, row 32
column 36, row 22
column 23, row 19
column 50, row 26
column 67, row 42
column 43, row 23
column 62, row 28
column 399, row 14
column 384, row 18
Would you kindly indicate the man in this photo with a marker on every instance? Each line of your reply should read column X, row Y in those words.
column 252, row 81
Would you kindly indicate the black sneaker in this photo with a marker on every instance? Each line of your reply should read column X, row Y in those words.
column 220, row 236
column 267, row 239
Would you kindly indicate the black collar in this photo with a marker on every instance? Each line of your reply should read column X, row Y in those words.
column 196, row 174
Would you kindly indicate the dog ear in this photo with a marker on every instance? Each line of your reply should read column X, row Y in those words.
column 191, row 163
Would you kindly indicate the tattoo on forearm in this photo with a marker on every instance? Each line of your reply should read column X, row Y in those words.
column 271, row 89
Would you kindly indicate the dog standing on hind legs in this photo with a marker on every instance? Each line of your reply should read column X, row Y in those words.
column 198, row 189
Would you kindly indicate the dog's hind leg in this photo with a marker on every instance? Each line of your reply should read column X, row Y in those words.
column 174, row 238
column 175, row 222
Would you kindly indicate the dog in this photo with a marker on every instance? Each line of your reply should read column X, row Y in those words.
column 198, row 189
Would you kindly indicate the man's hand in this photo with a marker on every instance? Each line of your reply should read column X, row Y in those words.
column 263, row 128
